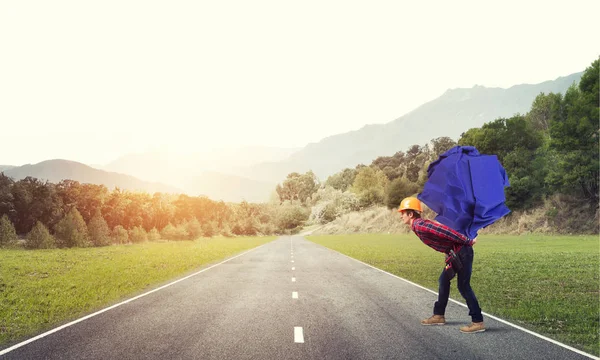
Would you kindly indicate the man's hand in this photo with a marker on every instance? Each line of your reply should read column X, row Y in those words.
column 474, row 241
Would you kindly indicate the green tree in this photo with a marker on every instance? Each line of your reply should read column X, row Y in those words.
column 440, row 145
column 543, row 109
column 519, row 147
column 392, row 166
column 342, row 180
column 136, row 209
column 171, row 232
column 39, row 238
column 526, row 171
column 194, row 229
column 98, row 230
column 6, row 197
column 369, row 186
column 138, row 234
column 298, row 187
column 33, row 201
column 291, row 217
column 153, row 235
column 246, row 219
column 120, row 235
column 330, row 203
column 8, row 235
column 502, row 136
column 87, row 198
column 163, row 210
column 416, row 160
column 113, row 209
column 398, row 190
column 184, row 208
column 72, row 231
column 574, row 136
column 209, row 229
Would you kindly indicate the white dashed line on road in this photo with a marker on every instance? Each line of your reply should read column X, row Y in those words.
column 293, row 279
column 294, row 294
column 298, row 334
column 293, row 268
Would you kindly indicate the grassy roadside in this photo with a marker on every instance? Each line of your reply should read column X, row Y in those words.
column 40, row 289
column 549, row 284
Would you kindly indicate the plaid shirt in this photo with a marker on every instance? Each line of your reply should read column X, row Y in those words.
column 438, row 236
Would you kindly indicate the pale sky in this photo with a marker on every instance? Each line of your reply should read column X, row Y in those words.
column 90, row 81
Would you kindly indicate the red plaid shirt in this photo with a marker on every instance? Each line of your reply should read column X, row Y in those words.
column 438, row 236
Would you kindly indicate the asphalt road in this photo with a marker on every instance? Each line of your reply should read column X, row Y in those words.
column 289, row 299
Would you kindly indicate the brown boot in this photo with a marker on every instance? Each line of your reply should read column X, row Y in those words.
column 474, row 327
column 434, row 320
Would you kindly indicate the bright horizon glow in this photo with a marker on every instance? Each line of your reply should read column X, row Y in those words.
column 91, row 82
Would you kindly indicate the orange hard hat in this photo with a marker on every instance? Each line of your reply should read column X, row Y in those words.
column 410, row 203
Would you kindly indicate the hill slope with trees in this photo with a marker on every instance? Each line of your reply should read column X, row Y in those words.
column 449, row 115
column 550, row 154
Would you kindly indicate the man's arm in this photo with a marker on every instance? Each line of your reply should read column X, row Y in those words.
column 453, row 235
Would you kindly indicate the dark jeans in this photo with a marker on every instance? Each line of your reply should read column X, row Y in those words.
column 464, row 286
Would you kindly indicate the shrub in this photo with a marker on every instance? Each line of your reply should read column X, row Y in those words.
column 8, row 235
column 329, row 213
column 120, row 235
column 226, row 231
column 153, row 235
column 331, row 203
column 246, row 226
column 39, row 238
column 267, row 229
column 138, row 234
column 71, row 231
column 370, row 185
column 193, row 229
column 171, row 232
column 98, row 230
column 291, row 217
column 371, row 196
column 209, row 229
column 398, row 190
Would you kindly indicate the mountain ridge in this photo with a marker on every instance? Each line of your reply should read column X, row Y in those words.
column 451, row 114
column 56, row 170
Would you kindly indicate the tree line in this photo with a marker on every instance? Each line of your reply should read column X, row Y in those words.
column 71, row 214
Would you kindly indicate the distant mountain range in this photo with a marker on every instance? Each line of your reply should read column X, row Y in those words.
column 177, row 169
column 6, row 167
column 218, row 173
column 451, row 114
column 252, row 173
column 57, row 170
column 194, row 174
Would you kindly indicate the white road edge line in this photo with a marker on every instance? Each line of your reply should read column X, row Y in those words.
column 486, row 314
column 294, row 294
column 14, row 347
column 298, row 334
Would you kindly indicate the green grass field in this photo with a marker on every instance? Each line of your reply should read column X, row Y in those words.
column 548, row 284
column 40, row 289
